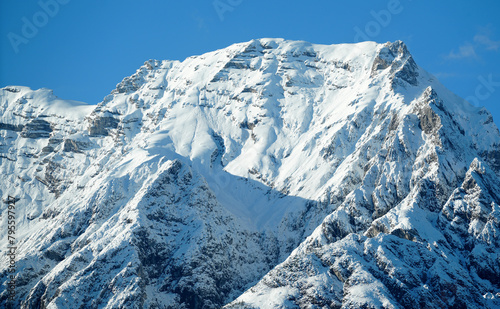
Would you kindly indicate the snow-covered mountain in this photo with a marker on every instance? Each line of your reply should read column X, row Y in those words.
column 269, row 174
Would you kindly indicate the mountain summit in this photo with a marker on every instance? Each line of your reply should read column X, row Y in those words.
column 269, row 174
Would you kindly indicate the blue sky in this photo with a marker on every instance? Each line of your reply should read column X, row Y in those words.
column 82, row 49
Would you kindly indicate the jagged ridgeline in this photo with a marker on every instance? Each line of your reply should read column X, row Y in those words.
column 269, row 174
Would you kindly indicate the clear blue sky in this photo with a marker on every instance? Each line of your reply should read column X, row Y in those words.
column 82, row 49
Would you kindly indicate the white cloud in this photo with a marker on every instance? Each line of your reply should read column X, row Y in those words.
column 444, row 75
column 465, row 51
column 484, row 40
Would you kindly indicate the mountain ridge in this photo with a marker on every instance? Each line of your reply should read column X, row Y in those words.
column 267, row 168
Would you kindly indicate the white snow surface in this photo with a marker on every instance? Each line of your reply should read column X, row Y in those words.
column 269, row 174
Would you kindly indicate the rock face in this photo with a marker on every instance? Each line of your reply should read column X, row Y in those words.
column 269, row 174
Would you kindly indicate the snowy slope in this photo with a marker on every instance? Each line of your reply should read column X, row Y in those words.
column 269, row 174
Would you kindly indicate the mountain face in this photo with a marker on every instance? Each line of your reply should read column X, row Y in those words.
column 269, row 174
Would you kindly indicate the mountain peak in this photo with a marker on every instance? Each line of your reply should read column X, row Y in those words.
column 396, row 57
column 268, row 173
